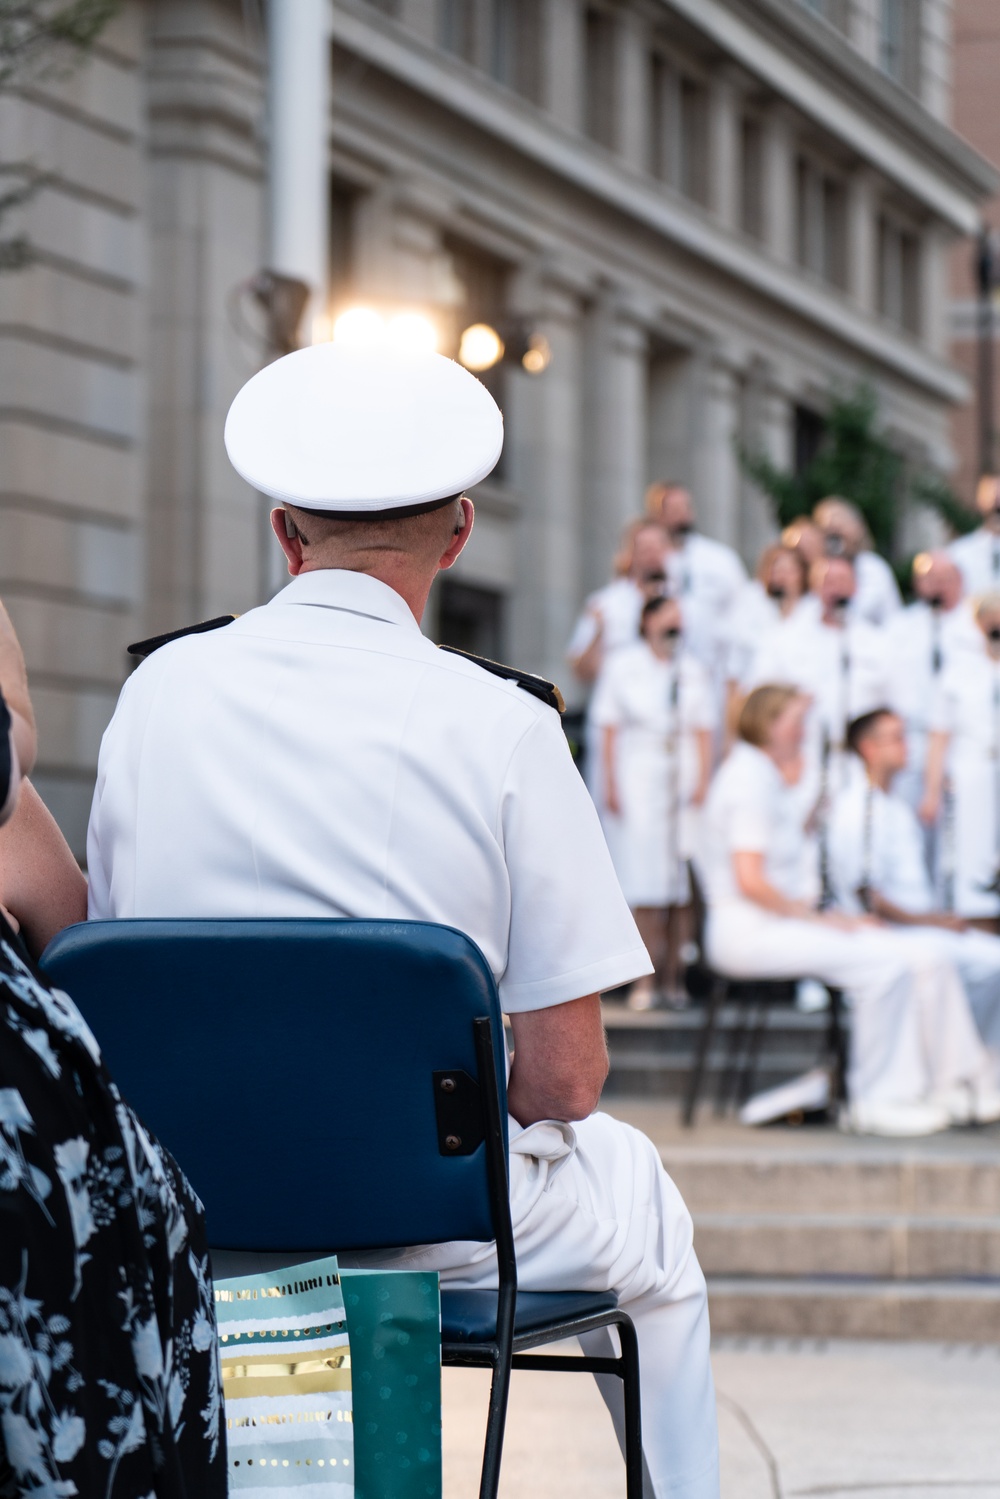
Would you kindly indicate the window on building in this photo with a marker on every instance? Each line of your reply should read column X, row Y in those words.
column 821, row 230
column 898, row 274
column 599, row 76
column 900, row 27
column 457, row 28
column 679, row 123
column 471, row 618
column 693, row 121
column 516, row 46
column 751, row 177
column 808, row 429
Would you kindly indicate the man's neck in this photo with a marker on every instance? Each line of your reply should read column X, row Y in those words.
column 412, row 585
column 881, row 780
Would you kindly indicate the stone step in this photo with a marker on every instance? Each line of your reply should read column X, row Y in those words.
column 651, row 1052
column 953, row 1312
column 852, row 1179
column 873, row 1248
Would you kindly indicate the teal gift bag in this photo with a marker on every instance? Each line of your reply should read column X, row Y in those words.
column 394, row 1326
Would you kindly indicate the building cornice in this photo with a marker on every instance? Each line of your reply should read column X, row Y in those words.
column 605, row 177
column 811, row 66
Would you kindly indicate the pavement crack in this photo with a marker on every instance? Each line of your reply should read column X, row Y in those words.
column 746, row 1421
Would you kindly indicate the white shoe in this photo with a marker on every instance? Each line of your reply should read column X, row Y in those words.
column 895, row 1119
column 642, row 996
column 970, row 1105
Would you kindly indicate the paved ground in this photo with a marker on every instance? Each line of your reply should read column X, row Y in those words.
column 662, row 1123
column 833, row 1420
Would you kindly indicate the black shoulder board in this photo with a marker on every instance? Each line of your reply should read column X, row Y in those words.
column 548, row 692
column 143, row 648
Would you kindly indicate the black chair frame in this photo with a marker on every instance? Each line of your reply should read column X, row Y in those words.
column 755, row 998
column 509, row 1350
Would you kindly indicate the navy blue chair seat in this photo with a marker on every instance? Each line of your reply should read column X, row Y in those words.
column 330, row 1086
column 471, row 1316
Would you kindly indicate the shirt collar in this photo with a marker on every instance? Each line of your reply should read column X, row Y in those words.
column 355, row 593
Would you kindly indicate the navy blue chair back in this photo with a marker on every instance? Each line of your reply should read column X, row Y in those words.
column 289, row 1067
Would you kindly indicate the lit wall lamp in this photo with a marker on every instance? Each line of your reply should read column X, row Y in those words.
column 367, row 328
column 482, row 347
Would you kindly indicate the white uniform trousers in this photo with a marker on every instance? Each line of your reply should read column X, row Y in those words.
column 594, row 1210
column 976, row 956
column 912, row 1032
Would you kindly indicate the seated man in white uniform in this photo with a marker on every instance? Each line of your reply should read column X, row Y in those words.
column 922, row 640
column 703, row 574
column 915, row 1054
column 977, row 555
column 837, row 660
column 877, row 865
column 320, row 757
column 653, row 709
column 845, row 535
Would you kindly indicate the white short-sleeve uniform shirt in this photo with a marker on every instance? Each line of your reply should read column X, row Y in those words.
column 877, row 598
column 977, row 557
column 750, row 809
column 321, row 757
column 656, row 707
column 616, row 607
column 876, row 839
column 706, row 576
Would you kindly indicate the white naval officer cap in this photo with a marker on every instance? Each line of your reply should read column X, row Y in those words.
column 348, row 431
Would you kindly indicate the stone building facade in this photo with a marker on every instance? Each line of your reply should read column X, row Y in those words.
column 711, row 210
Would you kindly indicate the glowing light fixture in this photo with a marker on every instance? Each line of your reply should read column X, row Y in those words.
column 359, row 328
column 537, row 355
column 480, row 347
column 412, row 330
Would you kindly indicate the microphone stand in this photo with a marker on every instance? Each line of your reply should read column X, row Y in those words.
column 865, row 888
column 823, row 828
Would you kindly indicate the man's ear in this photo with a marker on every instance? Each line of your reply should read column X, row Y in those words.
column 463, row 530
column 288, row 539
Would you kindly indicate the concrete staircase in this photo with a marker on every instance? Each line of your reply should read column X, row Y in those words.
column 842, row 1240
column 651, row 1052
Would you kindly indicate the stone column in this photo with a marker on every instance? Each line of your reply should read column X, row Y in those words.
column 778, row 152
column 632, row 92
column 724, row 150
column 935, row 243
column 564, row 70
column 718, row 481
column 862, row 241
column 545, row 437
column 298, row 171
column 206, row 541
column 767, row 428
column 617, row 449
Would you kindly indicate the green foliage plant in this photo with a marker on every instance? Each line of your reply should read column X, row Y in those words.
column 856, row 461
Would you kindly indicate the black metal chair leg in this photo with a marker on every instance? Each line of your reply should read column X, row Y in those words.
column 496, row 1423
column 704, row 1045
column 749, row 1069
column 633, row 1409
column 729, row 1076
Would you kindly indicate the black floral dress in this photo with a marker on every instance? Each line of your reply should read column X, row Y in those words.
column 109, row 1372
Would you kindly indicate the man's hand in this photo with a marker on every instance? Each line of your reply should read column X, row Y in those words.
column 560, row 1062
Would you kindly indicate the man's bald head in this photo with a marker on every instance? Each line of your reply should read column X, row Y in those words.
column 937, row 580
column 833, row 580
column 842, row 524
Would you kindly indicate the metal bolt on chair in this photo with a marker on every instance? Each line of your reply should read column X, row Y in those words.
column 331, row 1086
